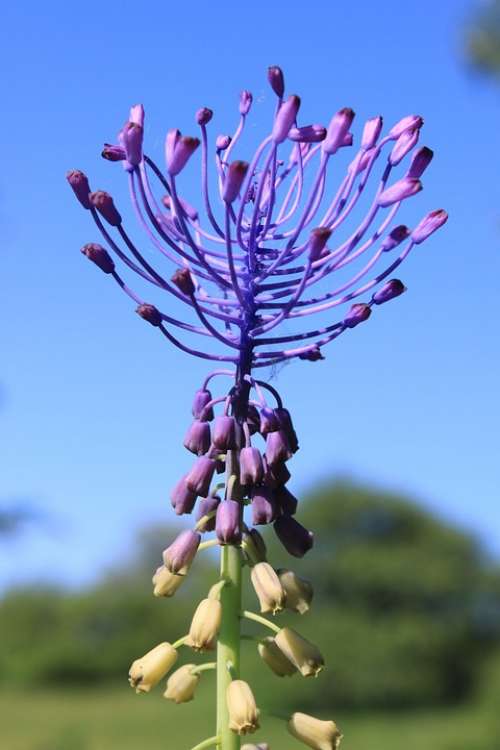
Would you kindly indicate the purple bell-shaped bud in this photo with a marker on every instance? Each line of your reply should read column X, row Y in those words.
column 264, row 507
column 199, row 478
column 183, row 499
column 251, row 466
column 201, row 398
column 197, row 438
column 269, row 421
column 181, row 553
column 277, row 448
column 286, row 502
column 228, row 522
column 224, row 434
column 286, row 424
column 296, row 539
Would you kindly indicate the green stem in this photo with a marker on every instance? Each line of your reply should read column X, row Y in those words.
column 209, row 543
column 180, row 642
column 228, row 649
column 262, row 620
column 206, row 743
column 204, row 667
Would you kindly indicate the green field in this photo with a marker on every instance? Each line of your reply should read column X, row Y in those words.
column 116, row 719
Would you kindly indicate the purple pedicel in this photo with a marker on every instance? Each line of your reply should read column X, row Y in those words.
column 356, row 315
column 251, row 466
column 98, row 255
column 228, row 522
column 294, row 537
column 183, row 499
column 277, row 448
column 80, row 186
column 182, row 551
column 200, row 401
column 276, row 80
column 264, row 507
column 224, row 435
column 286, row 423
column 287, row 502
column 429, row 224
column 391, row 289
column 199, row 478
column 277, row 475
column 269, row 421
column 197, row 438
column 205, row 506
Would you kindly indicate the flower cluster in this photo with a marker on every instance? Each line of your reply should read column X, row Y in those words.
column 240, row 271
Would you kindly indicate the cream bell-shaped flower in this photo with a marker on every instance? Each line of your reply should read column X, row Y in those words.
column 275, row 658
column 320, row 735
column 166, row 583
column 147, row 672
column 243, row 711
column 303, row 654
column 181, row 685
column 268, row 588
column 205, row 625
column 299, row 592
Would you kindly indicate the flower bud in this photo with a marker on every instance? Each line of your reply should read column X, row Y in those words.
column 203, row 116
column 183, row 499
column 199, row 478
column 313, row 354
column 233, row 181
column 268, row 421
column 268, row 588
column 228, row 522
column 224, row 434
column 103, row 202
column 206, row 506
column 401, row 189
column 429, row 224
column 197, row 439
column 246, row 100
column 337, row 130
column 286, row 423
column 181, row 685
column 410, row 122
column 166, row 583
column 98, row 255
column 275, row 658
column 276, row 80
column 395, row 238
column 285, row 118
column 391, row 289
column 201, row 398
column 178, row 150
column 256, row 546
column 264, row 507
column 150, row 313
column 205, row 625
column 243, row 712
column 277, row 448
column 357, row 314
column 130, row 138
column 251, row 466
column 303, row 654
column 147, row 672
column 137, row 114
column 403, row 146
column 371, row 133
column 293, row 536
column 299, row 592
column 111, row 152
column 421, row 160
column 287, row 503
column 253, row 419
column 320, row 735
column 317, row 242
column 308, row 134
column 183, row 281
column 277, row 475
column 80, row 185
column 181, row 553
column 222, row 142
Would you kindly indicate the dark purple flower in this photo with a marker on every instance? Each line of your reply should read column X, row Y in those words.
column 98, row 255
column 277, row 475
column 80, row 186
column 419, row 163
column 234, row 180
column 391, row 289
column 178, row 150
column 276, row 80
column 286, row 502
column 357, row 314
column 130, row 138
column 246, row 100
column 183, row 499
column 285, row 420
column 199, row 478
column 251, row 466
column 200, row 401
column 253, row 419
column 264, row 507
column 204, row 115
column 103, row 202
column 429, row 224
column 197, row 439
column 205, row 506
column 150, row 313
column 285, row 118
column 224, row 435
column 294, row 537
column 317, row 241
column 395, row 237
column 111, row 152
column 277, row 448
column 181, row 553
column 183, row 281
column 228, row 522
column 338, row 130
column 269, row 421
column 222, row 142
column 308, row 134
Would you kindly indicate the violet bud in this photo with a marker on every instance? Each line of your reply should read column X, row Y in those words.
column 276, row 80
column 98, row 255
column 201, row 398
column 234, row 179
column 286, row 423
column 400, row 190
column 222, row 142
column 277, row 475
column 79, row 183
column 320, row 735
column 371, row 133
column 429, row 224
column 183, row 281
column 419, row 163
column 204, row 115
column 251, row 466
column 182, row 498
column 147, row 672
column 199, row 477
column 299, row 592
column 287, row 502
column 264, row 507
column 224, row 435
column 206, row 506
column 302, row 653
column 277, row 448
column 317, row 242
column 246, row 100
column 130, row 138
column 197, row 439
column 313, row 354
column 256, row 546
column 395, row 238
column 285, row 118
column 357, row 314
column 268, row 421
column 243, row 711
column 391, row 289
column 178, row 150
column 103, row 202
column 268, row 588
column 112, row 152
column 403, row 146
column 410, row 122
column 308, row 134
column 337, row 130
column 253, row 419
column 166, row 583
column 228, row 522
column 150, row 313
column 294, row 537
column 275, row 658
column 181, row 553
column 137, row 115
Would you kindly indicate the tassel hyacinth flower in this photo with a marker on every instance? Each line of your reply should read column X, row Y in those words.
column 304, row 228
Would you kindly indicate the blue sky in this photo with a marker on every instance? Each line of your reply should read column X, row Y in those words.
column 95, row 404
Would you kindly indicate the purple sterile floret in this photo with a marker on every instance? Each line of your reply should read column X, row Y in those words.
column 287, row 502
column 98, row 255
column 276, row 80
column 391, row 289
column 80, row 185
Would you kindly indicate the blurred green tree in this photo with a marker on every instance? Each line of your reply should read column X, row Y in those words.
column 483, row 38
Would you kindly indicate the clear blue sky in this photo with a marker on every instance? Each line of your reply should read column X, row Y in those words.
column 95, row 404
